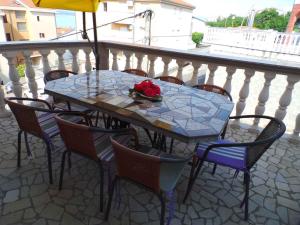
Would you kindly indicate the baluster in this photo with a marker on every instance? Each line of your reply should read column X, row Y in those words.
column 286, row 97
column 140, row 57
column 3, row 111
column 88, row 65
column 166, row 61
column 196, row 65
column 46, row 67
column 115, row 52
column 240, row 106
column 295, row 136
column 13, row 74
column 60, row 52
column 230, row 71
column 212, row 69
column 128, row 55
column 262, row 99
column 30, row 74
column 152, row 59
column 180, row 64
column 75, row 66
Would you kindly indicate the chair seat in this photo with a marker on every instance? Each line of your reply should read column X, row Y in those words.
column 233, row 157
column 104, row 148
column 169, row 172
column 74, row 107
column 49, row 125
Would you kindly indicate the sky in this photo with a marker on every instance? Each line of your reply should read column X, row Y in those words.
column 65, row 19
column 212, row 9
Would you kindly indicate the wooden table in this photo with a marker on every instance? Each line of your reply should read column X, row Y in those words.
column 185, row 113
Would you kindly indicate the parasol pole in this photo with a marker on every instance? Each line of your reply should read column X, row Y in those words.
column 95, row 41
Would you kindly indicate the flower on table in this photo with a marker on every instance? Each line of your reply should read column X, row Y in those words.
column 147, row 88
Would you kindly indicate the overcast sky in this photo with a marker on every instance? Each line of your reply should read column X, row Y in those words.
column 211, row 9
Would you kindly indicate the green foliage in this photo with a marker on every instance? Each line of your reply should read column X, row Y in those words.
column 266, row 19
column 271, row 19
column 197, row 37
column 21, row 70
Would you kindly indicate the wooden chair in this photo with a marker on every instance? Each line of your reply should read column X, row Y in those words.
column 87, row 141
column 213, row 88
column 137, row 72
column 158, row 173
column 239, row 156
column 36, row 121
column 170, row 79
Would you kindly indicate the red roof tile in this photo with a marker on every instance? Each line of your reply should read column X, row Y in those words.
column 14, row 3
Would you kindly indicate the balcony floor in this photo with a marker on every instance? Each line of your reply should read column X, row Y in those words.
column 27, row 198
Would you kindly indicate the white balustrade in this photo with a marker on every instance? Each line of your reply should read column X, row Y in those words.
column 295, row 138
column 88, row 65
column 196, row 65
column 3, row 111
column 166, row 61
column 140, row 57
column 230, row 71
column 115, row 52
column 46, row 66
column 128, row 56
column 30, row 74
column 75, row 66
column 212, row 69
column 152, row 59
column 180, row 63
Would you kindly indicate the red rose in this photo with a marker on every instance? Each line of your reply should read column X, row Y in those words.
column 146, row 83
column 150, row 92
column 156, row 88
column 139, row 87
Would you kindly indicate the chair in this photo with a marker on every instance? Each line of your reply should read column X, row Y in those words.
column 137, row 72
column 170, row 79
column 156, row 172
column 213, row 88
column 57, row 74
column 90, row 142
column 36, row 121
column 239, row 156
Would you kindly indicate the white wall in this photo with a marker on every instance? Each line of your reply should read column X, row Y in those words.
column 198, row 26
column 2, row 32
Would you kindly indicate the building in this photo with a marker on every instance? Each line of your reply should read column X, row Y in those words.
column 295, row 16
column 198, row 25
column 170, row 25
column 23, row 21
column 2, row 33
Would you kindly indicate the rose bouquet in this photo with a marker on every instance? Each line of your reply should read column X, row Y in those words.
column 146, row 89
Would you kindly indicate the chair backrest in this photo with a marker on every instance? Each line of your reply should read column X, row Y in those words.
column 170, row 79
column 77, row 137
column 273, row 131
column 136, row 166
column 57, row 74
column 137, row 72
column 215, row 89
column 25, row 116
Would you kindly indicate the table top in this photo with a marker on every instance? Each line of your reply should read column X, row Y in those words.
column 185, row 113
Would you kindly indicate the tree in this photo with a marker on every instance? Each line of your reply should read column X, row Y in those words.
column 197, row 37
column 230, row 21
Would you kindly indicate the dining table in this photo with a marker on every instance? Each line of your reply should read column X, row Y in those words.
column 186, row 114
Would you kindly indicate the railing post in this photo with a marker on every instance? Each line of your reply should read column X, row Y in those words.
column 152, row 59
column 212, row 69
column 295, row 138
column 115, row 52
column 196, row 65
column 75, row 66
column 180, row 63
column 230, row 71
column 13, row 74
column 244, row 92
column 60, row 52
column 30, row 74
column 3, row 111
column 46, row 67
column 104, row 56
column 286, row 97
column 88, row 65
column 166, row 61
column 262, row 99
column 140, row 57
column 128, row 55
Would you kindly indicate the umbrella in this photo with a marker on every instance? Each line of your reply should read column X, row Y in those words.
column 76, row 5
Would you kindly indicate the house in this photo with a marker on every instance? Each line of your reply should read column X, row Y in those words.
column 198, row 24
column 170, row 24
column 23, row 21
column 2, row 33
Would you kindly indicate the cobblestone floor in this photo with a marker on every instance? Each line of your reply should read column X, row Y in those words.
column 27, row 198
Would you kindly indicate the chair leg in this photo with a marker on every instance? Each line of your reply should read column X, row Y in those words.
column 62, row 168
column 247, row 180
column 111, row 193
column 19, row 148
column 162, row 209
column 69, row 159
column 29, row 154
column 171, row 145
column 49, row 161
column 214, row 169
column 101, row 185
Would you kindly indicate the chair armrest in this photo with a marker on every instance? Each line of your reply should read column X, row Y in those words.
column 250, row 116
column 32, row 100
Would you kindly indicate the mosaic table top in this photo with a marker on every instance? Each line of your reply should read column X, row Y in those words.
column 185, row 113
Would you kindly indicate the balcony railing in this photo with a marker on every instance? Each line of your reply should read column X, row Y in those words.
column 119, row 56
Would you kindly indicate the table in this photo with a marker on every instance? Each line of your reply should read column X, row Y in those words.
column 186, row 114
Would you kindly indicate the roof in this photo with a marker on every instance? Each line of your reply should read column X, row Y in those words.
column 17, row 3
column 180, row 2
column 200, row 19
column 171, row 2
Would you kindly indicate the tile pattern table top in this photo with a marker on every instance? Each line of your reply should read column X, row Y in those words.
column 185, row 113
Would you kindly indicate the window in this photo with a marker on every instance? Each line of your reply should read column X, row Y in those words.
column 21, row 26
column 20, row 14
column 38, row 18
column 42, row 35
column 8, row 37
column 105, row 6
column 4, row 19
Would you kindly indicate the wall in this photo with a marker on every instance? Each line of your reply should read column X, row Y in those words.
column 198, row 26
column 2, row 32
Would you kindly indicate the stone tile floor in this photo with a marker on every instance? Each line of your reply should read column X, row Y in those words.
column 27, row 198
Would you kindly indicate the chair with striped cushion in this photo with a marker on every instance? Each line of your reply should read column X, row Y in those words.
column 239, row 156
column 88, row 141
column 137, row 72
column 36, row 121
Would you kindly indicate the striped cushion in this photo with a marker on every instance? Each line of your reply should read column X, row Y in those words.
column 104, row 147
column 228, row 156
column 48, row 123
column 74, row 107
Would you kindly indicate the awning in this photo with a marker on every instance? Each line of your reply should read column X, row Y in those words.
column 76, row 5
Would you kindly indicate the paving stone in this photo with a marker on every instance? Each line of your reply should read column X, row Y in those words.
column 41, row 199
column 139, row 217
column 16, row 206
column 288, row 203
column 29, row 213
column 52, row 212
column 38, row 189
column 40, row 222
column 11, row 196
column 11, row 185
column 11, row 218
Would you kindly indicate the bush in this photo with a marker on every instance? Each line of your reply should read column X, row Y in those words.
column 197, row 37
column 21, row 70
